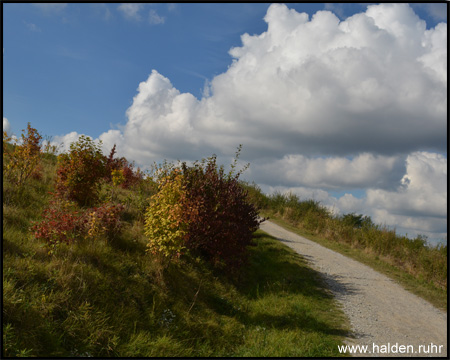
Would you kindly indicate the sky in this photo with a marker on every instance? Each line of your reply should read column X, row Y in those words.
column 343, row 103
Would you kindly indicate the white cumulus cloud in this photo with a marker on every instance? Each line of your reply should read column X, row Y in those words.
column 6, row 125
column 370, row 84
column 319, row 104
column 363, row 171
column 423, row 189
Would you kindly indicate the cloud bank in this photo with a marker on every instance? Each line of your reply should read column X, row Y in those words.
column 319, row 104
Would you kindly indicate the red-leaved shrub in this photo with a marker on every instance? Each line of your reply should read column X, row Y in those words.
column 104, row 220
column 130, row 176
column 79, row 172
column 213, row 208
column 223, row 222
column 64, row 222
column 61, row 222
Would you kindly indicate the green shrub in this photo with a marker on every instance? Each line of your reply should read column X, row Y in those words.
column 255, row 195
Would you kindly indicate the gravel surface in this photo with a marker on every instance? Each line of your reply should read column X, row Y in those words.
column 382, row 313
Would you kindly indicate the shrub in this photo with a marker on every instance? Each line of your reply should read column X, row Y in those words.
column 64, row 222
column 79, row 172
column 61, row 222
column 131, row 176
column 202, row 210
column 22, row 161
column 222, row 220
column 255, row 195
column 121, row 172
column 104, row 220
column 357, row 221
column 117, row 177
column 165, row 222
column 49, row 150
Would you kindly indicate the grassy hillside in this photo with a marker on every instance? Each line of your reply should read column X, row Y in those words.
column 107, row 296
column 418, row 266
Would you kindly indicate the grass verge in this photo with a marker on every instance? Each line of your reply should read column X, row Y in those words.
column 436, row 296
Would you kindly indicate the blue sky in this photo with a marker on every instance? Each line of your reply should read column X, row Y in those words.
column 183, row 81
column 86, row 60
column 76, row 67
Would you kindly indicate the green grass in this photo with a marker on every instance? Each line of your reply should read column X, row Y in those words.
column 96, row 299
column 290, row 311
column 425, row 289
column 108, row 297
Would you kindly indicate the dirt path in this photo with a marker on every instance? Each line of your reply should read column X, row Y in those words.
column 380, row 311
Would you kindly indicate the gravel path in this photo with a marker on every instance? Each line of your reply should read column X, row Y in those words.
column 381, row 312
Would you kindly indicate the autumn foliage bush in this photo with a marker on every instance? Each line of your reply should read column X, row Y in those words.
column 222, row 224
column 64, row 222
column 120, row 171
column 22, row 161
column 202, row 210
column 79, row 176
column 61, row 223
column 166, row 224
column 104, row 220
column 80, row 171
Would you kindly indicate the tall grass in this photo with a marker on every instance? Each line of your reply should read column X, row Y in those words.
column 426, row 263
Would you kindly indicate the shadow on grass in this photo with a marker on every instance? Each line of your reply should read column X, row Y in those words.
column 275, row 277
column 123, row 243
column 274, row 267
column 11, row 248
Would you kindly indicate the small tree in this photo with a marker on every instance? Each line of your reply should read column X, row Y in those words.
column 21, row 161
column 79, row 172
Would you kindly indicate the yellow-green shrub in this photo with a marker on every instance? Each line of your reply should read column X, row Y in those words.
column 23, row 160
column 164, row 221
column 117, row 177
